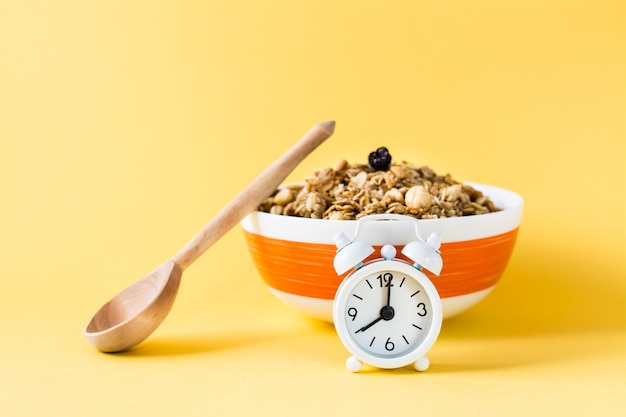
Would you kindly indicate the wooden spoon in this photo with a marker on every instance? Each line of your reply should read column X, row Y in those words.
column 133, row 314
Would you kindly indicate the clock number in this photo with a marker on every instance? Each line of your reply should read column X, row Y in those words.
column 422, row 310
column 389, row 346
column 384, row 280
column 352, row 313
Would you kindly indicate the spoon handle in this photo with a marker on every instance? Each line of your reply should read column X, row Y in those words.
column 253, row 195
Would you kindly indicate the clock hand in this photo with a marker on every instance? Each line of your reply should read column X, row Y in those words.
column 388, row 293
column 367, row 326
column 386, row 313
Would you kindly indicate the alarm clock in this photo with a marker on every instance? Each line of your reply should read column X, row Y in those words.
column 386, row 311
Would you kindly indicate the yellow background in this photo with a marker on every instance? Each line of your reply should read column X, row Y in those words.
column 126, row 124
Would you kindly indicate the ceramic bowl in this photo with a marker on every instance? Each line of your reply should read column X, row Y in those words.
column 294, row 255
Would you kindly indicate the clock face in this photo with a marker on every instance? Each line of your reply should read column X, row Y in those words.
column 388, row 315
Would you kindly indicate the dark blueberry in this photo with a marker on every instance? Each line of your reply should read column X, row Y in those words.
column 380, row 159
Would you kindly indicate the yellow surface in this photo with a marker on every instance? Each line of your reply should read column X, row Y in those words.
column 125, row 125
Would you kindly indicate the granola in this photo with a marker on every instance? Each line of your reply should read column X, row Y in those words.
column 350, row 191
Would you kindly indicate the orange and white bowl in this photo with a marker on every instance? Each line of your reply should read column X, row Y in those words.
column 294, row 255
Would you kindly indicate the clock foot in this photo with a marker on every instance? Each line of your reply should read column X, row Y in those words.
column 422, row 364
column 353, row 364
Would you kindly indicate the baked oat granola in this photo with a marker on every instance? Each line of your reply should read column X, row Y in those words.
column 350, row 191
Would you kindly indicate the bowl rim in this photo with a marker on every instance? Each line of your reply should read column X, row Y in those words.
column 452, row 229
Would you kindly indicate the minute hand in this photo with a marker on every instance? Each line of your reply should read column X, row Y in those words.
column 364, row 328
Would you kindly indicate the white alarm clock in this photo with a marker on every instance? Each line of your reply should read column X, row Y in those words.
column 387, row 312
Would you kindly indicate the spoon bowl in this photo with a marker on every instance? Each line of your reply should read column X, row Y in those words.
column 133, row 314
